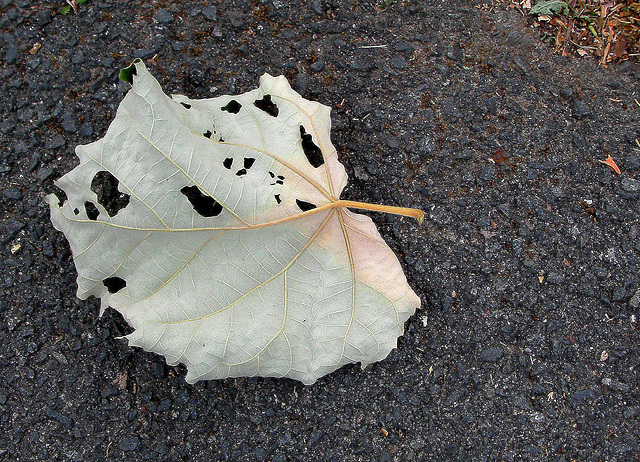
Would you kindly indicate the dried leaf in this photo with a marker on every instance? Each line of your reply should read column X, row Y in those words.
column 215, row 227
column 610, row 163
column 548, row 7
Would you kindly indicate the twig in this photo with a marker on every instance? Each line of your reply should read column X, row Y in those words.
column 73, row 4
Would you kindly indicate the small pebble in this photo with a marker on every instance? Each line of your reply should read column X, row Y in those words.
column 163, row 16
column 77, row 58
column 616, row 385
column 210, row 12
column 491, row 355
column 129, row 444
column 69, row 122
column 11, row 51
column 630, row 185
column 56, row 142
column 12, row 194
column 317, row 66
column 580, row 110
column 399, row 62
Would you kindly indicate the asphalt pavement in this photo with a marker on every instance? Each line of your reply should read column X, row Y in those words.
column 526, row 346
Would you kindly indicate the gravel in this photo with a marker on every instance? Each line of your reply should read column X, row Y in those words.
column 210, row 12
column 527, row 263
column 491, row 355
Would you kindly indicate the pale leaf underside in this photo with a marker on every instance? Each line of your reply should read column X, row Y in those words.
column 215, row 227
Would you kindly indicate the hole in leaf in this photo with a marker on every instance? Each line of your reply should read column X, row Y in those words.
column 207, row 134
column 228, row 162
column 92, row 210
column 311, row 151
column 76, row 211
column 105, row 185
column 242, row 171
column 304, row 206
column 278, row 200
column 248, row 162
column 126, row 74
column 60, row 194
column 203, row 204
column 221, row 140
column 188, row 106
column 278, row 180
column 114, row 284
column 267, row 105
column 232, row 106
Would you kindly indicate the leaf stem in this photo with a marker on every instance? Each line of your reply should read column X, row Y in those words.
column 407, row 212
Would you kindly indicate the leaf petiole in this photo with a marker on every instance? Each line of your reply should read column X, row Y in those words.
column 405, row 211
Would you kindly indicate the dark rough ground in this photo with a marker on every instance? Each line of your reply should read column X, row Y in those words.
column 527, row 264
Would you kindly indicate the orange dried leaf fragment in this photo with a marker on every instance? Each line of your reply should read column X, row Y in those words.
column 611, row 164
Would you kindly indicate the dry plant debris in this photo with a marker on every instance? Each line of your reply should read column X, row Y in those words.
column 215, row 227
column 608, row 31
column 609, row 162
